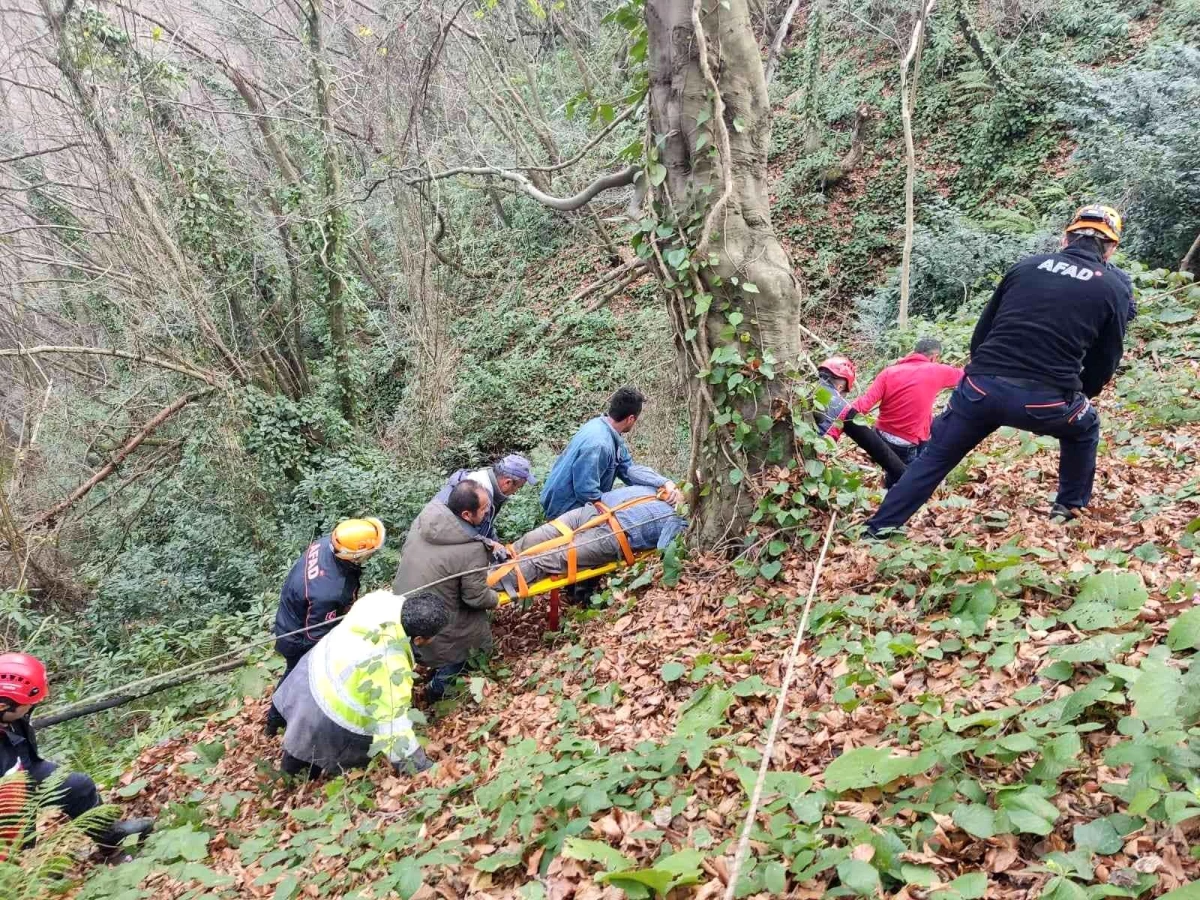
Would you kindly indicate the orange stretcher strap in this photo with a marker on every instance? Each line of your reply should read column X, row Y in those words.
column 565, row 538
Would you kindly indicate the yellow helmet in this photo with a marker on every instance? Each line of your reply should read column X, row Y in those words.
column 1103, row 220
column 356, row 539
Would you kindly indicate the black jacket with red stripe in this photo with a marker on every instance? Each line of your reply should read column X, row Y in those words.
column 1056, row 318
column 320, row 587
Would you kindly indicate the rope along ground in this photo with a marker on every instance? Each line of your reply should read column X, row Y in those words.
column 234, row 658
column 756, row 798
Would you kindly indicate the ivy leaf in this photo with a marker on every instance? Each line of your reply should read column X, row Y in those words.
column 1099, row 836
column 1173, row 315
column 408, row 878
column 752, row 687
column 676, row 257
column 770, row 569
column 132, row 789
column 184, row 843
column 1029, row 811
column 739, row 124
column 672, row 671
column 1185, row 633
column 596, row 851
column 750, row 287
column 1122, row 589
column 867, row 767
column 1187, row 892
column 736, row 476
column 594, row 800
column 972, row 886
column 657, row 173
column 775, row 878
column 286, row 889
column 1158, row 692
column 975, row 819
column 860, row 877
column 505, row 859
column 1104, row 647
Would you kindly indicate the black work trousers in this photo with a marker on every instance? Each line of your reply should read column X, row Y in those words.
column 980, row 405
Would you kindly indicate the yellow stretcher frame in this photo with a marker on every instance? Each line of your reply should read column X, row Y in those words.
column 558, row 582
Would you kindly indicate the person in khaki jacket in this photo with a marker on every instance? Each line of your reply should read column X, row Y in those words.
column 443, row 547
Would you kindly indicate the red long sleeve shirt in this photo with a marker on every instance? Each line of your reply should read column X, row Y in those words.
column 905, row 392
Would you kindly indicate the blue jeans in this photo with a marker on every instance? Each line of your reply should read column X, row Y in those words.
column 436, row 688
column 981, row 404
column 906, row 455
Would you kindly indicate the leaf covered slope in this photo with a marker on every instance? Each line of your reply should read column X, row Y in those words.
column 1000, row 707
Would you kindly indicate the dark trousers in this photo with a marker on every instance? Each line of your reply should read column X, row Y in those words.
column 440, row 680
column 980, row 405
column 293, row 766
column 292, row 656
column 74, row 795
column 881, row 452
column 906, row 455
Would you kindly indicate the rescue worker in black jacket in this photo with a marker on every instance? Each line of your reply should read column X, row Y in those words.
column 23, row 685
column 1049, row 340
column 320, row 589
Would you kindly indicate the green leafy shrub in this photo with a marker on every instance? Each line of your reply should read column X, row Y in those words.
column 1139, row 141
column 952, row 256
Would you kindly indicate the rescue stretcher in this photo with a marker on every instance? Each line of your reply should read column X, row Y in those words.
column 553, row 585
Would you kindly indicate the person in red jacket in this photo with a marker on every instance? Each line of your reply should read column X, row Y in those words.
column 905, row 393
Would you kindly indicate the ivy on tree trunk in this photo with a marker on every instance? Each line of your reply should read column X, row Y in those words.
column 735, row 305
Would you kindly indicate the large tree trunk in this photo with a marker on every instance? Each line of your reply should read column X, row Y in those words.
column 714, row 240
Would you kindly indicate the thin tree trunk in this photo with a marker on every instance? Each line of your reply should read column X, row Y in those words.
column 908, row 99
column 1191, row 258
column 332, row 222
column 780, row 36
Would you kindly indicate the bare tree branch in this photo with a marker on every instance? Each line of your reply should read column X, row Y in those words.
column 33, row 153
column 135, row 440
column 624, row 178
column 182, row 368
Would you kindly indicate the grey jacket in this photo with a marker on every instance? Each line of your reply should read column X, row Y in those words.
column 442, row 546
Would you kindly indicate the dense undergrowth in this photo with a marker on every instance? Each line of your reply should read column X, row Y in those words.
column 1104, row 111
column 996, row 707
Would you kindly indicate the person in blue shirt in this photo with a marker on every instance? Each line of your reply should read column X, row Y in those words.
column 596, row 456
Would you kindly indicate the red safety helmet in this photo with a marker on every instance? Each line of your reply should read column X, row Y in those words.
column 841, row 367
column 22, row 679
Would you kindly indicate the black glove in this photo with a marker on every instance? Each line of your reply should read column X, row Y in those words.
column 415, row 764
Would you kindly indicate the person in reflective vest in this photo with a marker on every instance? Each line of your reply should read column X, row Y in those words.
column 319, row 589
column 348, row 698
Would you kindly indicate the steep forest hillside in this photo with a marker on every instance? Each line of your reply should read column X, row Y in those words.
column 998, row 708
column 266, row 267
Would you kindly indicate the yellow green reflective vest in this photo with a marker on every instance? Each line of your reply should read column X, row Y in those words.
column 361, row 674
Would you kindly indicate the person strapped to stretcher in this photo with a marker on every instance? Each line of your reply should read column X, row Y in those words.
column 620, row 525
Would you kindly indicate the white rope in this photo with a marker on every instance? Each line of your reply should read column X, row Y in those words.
column 222, row 658
column 756, row 797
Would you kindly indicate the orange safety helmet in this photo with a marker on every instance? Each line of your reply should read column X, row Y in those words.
column 1103, row 221
column 22, row 679
column 356, row 539
column 841, row 367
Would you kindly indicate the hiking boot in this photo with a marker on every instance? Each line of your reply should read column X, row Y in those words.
column 1063, row 514
column 275, row 722
column 112, row 839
